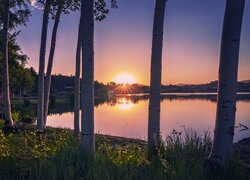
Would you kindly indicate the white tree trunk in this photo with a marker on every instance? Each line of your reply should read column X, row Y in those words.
column 5, row 63
column 227, row 88
column 50, row 63
column 87, row 133
column 77, row 82
column 155, row 78
column 40, row 105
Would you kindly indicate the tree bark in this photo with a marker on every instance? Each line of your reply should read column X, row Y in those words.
column 50, row 62
column 155, row 79
column 40, row 105
column 227, row 88
column 77, row 82
column 5, row 63
column 87, row 98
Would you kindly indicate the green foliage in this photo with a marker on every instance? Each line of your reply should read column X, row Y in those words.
column 16, row 116
column 21, row 79
column 19, row 13
column 100, row 12
column 27, row 114
column 32, row 145
column 132, row 154
column 187, row 151
column 1, row 123
column 56, row 155
column 4, row 145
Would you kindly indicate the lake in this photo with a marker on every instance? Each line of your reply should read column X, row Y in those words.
column 127, row 116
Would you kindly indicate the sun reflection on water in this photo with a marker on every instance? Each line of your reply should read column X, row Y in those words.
column 124, row 104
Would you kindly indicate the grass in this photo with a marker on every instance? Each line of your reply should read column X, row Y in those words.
column 56, row 155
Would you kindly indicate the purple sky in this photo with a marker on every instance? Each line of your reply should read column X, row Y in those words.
column 123, row 41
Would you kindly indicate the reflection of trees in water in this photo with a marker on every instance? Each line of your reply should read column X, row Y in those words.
column 178, row 97
column 183, row 97
column 61, row 108
column 31, row 110
column 202, row 97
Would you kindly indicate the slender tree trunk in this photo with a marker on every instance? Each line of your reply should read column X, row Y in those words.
column 155, row 79
column 77, row 82
column 40, row 105
column 50, row 62
column 6, row 85
column 227, row 88
column 87, row 133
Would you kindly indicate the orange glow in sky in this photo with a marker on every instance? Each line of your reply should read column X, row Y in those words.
column 124, row 78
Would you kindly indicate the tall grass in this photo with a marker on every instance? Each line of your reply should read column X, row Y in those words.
column 57, row 156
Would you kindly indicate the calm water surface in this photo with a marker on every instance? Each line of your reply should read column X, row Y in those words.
column 128, row 116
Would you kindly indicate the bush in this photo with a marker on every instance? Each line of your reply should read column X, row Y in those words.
column 27, row 119
column 16, row 116
column 1, row 123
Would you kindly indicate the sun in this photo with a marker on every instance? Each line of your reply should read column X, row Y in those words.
column 124, row 78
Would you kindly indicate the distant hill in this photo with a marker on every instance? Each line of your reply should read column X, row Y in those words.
column 243, row 86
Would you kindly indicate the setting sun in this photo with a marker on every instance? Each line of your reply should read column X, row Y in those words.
column 124, row 79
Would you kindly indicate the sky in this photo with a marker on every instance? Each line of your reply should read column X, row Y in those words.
column 123, row 41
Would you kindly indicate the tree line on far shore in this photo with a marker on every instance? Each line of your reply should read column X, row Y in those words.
column 23, row 83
